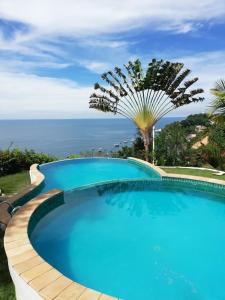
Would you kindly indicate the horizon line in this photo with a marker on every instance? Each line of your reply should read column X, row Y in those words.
column 39, row 119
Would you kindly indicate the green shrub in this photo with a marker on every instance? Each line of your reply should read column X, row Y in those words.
column 72, row 156
column 16, row 160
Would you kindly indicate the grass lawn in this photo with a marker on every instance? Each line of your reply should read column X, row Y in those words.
column 9, row 184
column 193, row 172
column 14, row 183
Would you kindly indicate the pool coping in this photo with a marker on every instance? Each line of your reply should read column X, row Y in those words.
column 32, row 273
column 174, row 175
column 36, row 179
column 149, row 165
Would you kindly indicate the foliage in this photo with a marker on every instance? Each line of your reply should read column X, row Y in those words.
column 192, row 121
column 217, row 136
column 171, row 145
column 218, row 104
column 96, row 153
column 133, row 151
column 212, row 155
column 145, row 96
column 72, row 156
column 124, row 152
column 16, row 160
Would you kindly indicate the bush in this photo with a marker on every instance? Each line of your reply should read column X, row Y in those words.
column 72, row 156
column 16, row 160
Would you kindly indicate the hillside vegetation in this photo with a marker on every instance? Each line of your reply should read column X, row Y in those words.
column 174, row 144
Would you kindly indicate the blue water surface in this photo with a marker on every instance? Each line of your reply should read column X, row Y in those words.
column 138, row 241
column 64, row 137
column 69, row 174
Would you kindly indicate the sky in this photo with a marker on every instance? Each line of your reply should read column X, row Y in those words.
column 53, row 51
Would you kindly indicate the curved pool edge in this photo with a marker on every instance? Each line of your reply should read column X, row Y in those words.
column 157, row 169
column 36, row 176
column 33, row 277
column 165, row 175
column 36, row 180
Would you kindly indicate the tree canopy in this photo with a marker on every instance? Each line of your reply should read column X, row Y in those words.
column 145, row 96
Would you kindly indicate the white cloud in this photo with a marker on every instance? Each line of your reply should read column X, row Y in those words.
column 31, row 96
column 96, row 66
column 86, row 23
column 105, row 43
column 16, row 65
column 94, row 17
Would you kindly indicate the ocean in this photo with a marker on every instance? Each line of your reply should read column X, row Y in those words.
column 64, row 137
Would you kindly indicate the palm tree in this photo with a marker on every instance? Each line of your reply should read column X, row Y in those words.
column 218, row 104
column 145, row 96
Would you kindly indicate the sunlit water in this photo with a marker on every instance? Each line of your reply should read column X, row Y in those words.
column 138, row 241
column 69, row 174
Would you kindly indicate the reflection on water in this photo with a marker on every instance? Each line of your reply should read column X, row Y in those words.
column 158, row 239
column 122, row 195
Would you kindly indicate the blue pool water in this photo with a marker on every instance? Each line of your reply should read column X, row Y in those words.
column 138, row 241
column 69, row 174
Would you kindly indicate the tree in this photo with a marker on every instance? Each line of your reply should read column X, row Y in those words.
column 217, row 136
column 218, row 104
column 145, row 96
column 212, row 155
column 172, row 145
column 190, row 123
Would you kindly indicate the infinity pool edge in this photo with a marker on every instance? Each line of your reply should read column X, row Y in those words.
column 33, row 277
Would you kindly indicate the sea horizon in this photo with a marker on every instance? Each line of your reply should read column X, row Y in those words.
column 63, row 137
column 83, row 118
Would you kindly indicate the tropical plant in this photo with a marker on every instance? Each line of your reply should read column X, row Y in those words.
column 212, row 155
column 172, row 146
column 145, row 96
column 217, row 136
column 190, row 123
column 217, row 107
column 16, row 160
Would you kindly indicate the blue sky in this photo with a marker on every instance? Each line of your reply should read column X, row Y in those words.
column 52, row 52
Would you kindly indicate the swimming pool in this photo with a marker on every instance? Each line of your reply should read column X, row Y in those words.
column 69, row 174
column 139, row 240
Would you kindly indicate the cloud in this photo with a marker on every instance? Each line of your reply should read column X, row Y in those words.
column 16, row 65
column 96, row 66
column 85, row 18
column 105, row 43
column 31, row 96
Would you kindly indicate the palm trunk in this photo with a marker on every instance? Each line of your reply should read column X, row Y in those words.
column 146, row 139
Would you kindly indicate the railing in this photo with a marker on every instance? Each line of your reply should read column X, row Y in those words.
column 12, row 210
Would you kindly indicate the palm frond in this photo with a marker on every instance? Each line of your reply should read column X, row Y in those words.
column 217, row 105
column 146, row 96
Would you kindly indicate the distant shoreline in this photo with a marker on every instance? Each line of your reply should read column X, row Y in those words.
column 70, row 119
column 63, row 137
